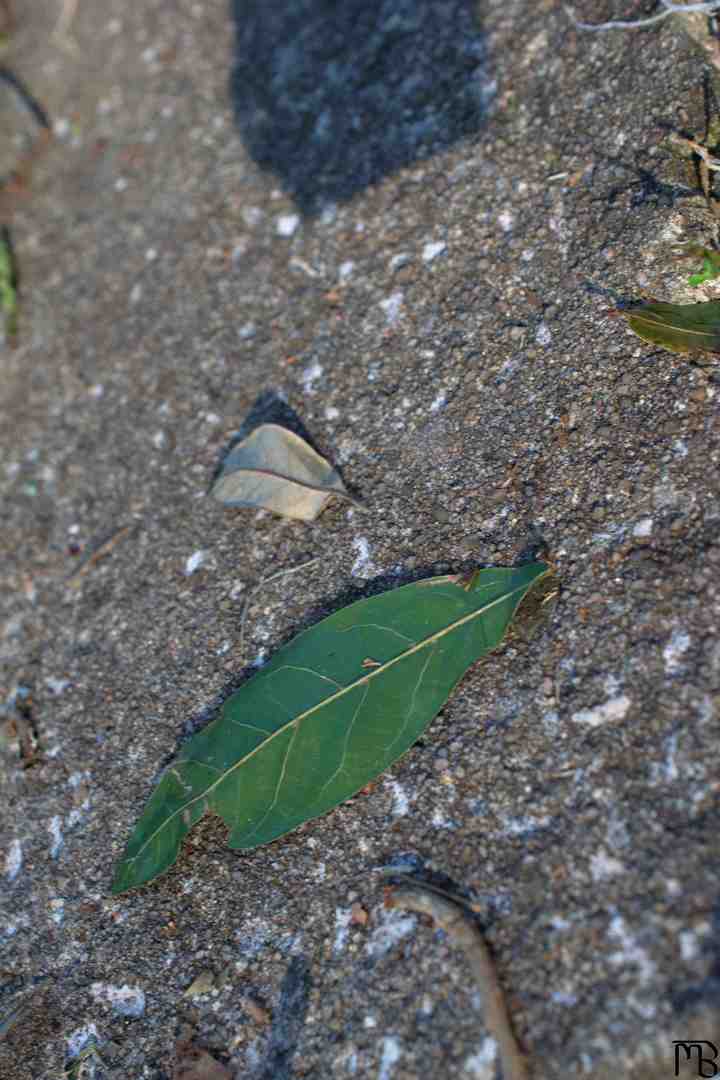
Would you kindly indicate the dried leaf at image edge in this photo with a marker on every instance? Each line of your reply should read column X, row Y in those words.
column 194, row 1063
column 327, row 714
column 274, row 469
column 681, row 328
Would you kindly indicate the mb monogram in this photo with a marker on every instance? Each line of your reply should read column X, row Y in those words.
column 705, row 1051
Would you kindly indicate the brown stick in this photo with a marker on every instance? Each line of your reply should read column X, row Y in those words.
column 451, row 918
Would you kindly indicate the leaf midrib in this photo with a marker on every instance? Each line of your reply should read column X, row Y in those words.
column 327, row 701
column 276, row 475
column 671, row 328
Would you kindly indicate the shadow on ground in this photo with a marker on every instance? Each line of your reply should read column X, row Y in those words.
column 333, row 97
column 288, row 1021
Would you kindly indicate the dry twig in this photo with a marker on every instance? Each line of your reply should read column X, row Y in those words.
column 451, row 918
column 98, row 551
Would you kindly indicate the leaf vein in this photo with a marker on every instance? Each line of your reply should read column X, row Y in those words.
column 411, row 706
column 346, row 741
column 376, row 626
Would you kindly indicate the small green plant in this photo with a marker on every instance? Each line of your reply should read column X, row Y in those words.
column 8, row 287
column 711, row 266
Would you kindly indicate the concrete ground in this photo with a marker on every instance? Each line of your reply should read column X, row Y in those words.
column 407, row 221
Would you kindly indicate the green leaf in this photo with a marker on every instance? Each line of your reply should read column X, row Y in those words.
column 330, row 711
column 682, row 328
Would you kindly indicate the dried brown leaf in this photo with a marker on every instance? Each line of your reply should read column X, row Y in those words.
column 274, row 469
column 194, row 1063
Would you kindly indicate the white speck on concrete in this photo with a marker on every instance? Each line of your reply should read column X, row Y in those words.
column 310, row 376
column 345, row 270
column 331, row 413
column 194, row 562
column 212, row 418
column 438, row 402
column 398, row 261
column 391, row 306
column 247, row 331
column 393, row 927
column 551, row 722
column 136, row 293
column 363, row 567
column 260, row 658
column 674, row 229
column 481, row 1066
column 252, row 1055
column 615, row 709
column 78, row 1040
column 96, row 391
column 151, row 254
column 643, row 528
column 57, row 910
column 505, row 221
column 56, row 686
column 126, row 1000
column 689, row 945
column 630, row 952
column 441, row 822
column 369, row 1022
column 674, row 651
column 287, row 224
column 390, row 1056
column 13, row 860
column 668, row 770
column 55, row 830
column 431, row 251
column 401, row 804
column 604, row 866
column 520, row 826
column 543, row 335
column 527, row 255
column 342, row 925
column 252, row 215
column 320, row 872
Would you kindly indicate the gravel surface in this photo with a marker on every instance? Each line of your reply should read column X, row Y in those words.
column 407, row 224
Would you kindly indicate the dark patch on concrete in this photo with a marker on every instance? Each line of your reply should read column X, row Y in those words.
column 332, row 97
column 288, row 1021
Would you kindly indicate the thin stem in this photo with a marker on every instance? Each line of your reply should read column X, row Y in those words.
column 256, row 590
column 670, row 8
